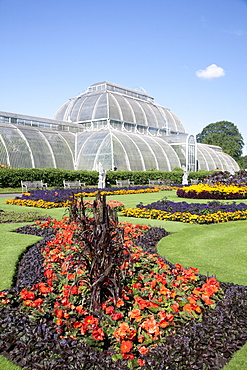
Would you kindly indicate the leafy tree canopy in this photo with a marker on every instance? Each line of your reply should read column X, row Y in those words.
column 224, row 134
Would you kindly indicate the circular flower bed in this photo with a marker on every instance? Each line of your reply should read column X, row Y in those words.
column 211, row 212
column 63, row 197
column 216, row 191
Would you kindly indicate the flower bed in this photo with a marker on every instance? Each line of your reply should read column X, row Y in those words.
column 99, row 287
column 62, row 197
column 212, row 212
column 209, row 343
column 216, row 191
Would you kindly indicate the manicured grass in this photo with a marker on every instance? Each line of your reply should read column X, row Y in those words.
column 216, row 249
column 12, row 245
column 7, row 365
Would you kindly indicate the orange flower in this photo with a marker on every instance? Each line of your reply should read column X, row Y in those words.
column 135, row 314
column 141, row 339
column 44, row 289
column 124, row 332
column 80, row 309
column 126, row 346
column 151, row 326
column 207, row 300
column 59, row 322
column 137, row 285
column 192, row 307
column 38, row 302
column 165, row 291
column 143, row 350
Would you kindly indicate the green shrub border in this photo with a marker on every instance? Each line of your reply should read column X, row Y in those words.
column 11, row 177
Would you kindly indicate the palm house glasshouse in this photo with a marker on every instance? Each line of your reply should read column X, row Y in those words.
column 107, row 124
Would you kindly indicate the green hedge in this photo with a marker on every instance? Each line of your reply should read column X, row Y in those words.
column 11, row 177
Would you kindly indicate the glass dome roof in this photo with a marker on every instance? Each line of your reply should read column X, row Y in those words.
column 111, row 102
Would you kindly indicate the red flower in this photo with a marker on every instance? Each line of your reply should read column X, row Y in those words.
column 59, row 313
column 141, row 362
column 117, row 316
column 126, row 346
column 109, row 310
column 98, row 334
column 77, row 324
column 91, row 321
column 137, row 285
column 26, row 294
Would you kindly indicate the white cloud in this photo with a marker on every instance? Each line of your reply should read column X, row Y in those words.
column 212, row 71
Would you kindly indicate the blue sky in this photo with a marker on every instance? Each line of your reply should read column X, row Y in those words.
column 190, row 55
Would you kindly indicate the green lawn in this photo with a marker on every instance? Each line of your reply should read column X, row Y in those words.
column 217, row 249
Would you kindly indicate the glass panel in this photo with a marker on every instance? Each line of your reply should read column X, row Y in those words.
column 4, row 119
column 114, row 113
column 61, row 151
column 125, row 108
column 3, row 154
column 18, row 152
column 160, row 153
column 60, row 114
column 88, row 146
column 40, row 150
column 131, row 151
column 139, row 115
column 159, row 117
column 77, row 105
column 150, row 117
column 101, row 108
column 141, row 129
column 86, row 113
column 120, row 157
column 129, row 127
column 191, row 154
column 146, row 150
column 70, row 138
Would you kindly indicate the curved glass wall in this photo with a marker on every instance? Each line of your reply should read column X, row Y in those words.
column 26, row 147
column 210, row 159
column 18, row 151
column 126, row 151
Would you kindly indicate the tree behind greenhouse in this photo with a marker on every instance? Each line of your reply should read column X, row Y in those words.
column 224, row 134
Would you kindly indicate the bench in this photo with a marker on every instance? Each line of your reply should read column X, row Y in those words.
column 26, row 185
column 124, row 182
column 160, row 182
column 73, row 184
